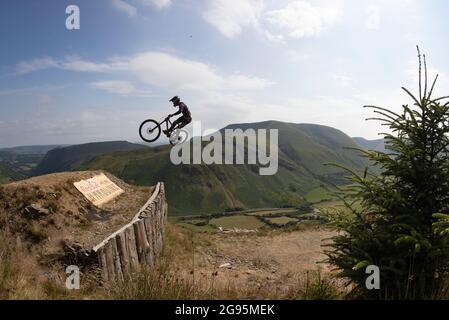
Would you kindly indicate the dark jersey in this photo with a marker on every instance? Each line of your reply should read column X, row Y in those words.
column 184, row 110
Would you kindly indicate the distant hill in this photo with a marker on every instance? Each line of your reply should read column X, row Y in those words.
column 303, row 149
column 30, row 149
column 375, row 145
column 19, row 161
column 67, row 158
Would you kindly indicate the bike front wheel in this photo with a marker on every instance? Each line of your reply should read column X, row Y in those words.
column 150, row 130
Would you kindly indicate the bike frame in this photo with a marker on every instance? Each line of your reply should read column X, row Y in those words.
column 167, row 122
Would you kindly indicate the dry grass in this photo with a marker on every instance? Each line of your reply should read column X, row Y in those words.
column 23, row 278
column 17, row 271
column 164, row 284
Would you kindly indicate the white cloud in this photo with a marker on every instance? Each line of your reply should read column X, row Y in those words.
column 70, row 63
column 299, row 19
column 162, row 70
column 296, row 56
column 342, row 80
column 34, row 65
column 75, row 63
column 89, row 116
column 119, row 87
column 171, row 72
column 125, row 7
column 131, row 11
column 372, row 21
column 158, row 4
column 230, row 17
column 29, row 90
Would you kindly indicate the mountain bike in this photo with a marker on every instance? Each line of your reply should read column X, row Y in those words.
column 150, row 130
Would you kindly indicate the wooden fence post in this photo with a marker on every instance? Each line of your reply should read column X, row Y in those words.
column 139, row 242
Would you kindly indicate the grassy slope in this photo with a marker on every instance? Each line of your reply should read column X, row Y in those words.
column 66, row 158
column 319, row 194
column 212, row 188
column 4, row 176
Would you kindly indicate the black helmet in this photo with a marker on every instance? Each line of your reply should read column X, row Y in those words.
column 175, row 99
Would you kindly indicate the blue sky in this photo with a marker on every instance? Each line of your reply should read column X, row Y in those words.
column 315, row 61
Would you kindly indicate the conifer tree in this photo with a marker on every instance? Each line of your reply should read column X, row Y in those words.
column 399, row 218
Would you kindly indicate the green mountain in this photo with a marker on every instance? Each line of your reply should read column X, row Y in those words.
column 67, row 158
column 303, row 149
column 375, row 145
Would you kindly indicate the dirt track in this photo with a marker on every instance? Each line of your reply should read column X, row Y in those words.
column 275, row 263
column 283, row 252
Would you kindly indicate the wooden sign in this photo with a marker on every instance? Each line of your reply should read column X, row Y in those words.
column 99, row 189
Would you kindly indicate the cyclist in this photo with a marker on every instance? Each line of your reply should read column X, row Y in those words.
column 182, row 121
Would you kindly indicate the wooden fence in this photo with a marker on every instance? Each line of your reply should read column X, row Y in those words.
column 138, row 242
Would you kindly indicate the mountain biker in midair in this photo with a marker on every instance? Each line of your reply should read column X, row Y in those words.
column 182, row 121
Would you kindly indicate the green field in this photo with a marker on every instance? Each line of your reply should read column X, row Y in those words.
column 263, row 213
column 206, row 228
column 335, row 207
column 318, row 195
column 241, row 222
column 330, row 204
column 282, row 220
column 198, row 221
column 251, row 219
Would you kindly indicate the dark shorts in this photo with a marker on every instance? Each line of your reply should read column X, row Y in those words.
column 182, row 121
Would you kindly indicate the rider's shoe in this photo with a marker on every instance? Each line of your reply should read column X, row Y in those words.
column 166, row 132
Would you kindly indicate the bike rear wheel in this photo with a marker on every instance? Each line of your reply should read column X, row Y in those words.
column 178, row 136
column 150, row 130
